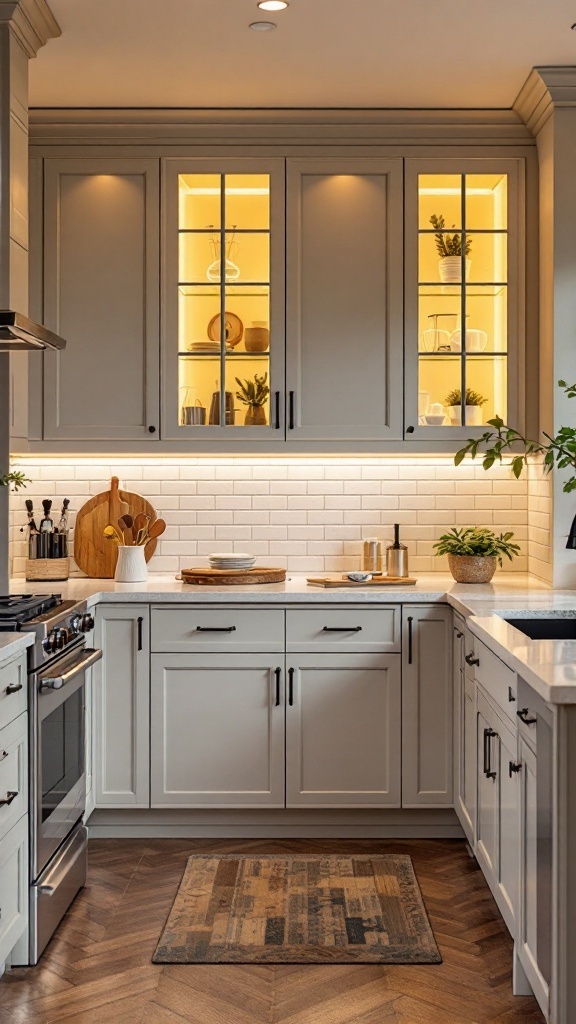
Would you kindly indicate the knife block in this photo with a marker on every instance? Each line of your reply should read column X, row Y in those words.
column 47, row 570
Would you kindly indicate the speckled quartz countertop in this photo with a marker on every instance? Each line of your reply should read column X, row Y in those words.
column 549, row 666
column 13, row 643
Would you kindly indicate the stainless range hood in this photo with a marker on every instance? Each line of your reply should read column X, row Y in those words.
column 19, row 334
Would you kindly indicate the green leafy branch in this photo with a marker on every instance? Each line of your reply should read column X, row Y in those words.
column 253, row 392
column 478, row 542
column 558, row 451
column 446, row 244
column 14, row 479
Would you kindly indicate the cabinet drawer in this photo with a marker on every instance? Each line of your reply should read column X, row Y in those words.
column 13, row 690
column 13, row 772
column 13, row 886
column 352, row 628
column 180, row 630
column 497, row 679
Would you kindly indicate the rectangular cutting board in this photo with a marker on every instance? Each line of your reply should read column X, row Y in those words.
column 374, row 583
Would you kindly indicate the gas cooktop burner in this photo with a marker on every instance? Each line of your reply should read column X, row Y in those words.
column 16, row 609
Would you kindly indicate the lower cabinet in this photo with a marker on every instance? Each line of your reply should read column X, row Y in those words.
column 13, row 886
column 121, row 707
column 217, row 737
column 427, row 706
column 498, row 819
column 343, row 742
column 465, row 767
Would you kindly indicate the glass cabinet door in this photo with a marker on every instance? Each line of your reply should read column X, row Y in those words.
column 226, row 338
column 462, row 318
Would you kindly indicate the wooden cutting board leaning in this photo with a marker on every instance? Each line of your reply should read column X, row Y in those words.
column 93, row 554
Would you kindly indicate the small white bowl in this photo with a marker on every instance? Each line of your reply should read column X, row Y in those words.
column 435, row 421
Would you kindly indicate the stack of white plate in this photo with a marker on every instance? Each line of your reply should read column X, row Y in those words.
column 206, row 346
column 236, row 560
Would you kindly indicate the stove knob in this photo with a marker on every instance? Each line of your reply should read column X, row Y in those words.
column 76, row 623
column 61, row 638
column 87, row 622
column 47, row 643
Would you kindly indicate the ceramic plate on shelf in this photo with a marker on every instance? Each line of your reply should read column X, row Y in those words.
column 233, row 325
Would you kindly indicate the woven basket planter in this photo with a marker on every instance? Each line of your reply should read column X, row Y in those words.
column 472, row 568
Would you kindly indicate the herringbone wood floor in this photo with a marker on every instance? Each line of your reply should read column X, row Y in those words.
column 97, row 968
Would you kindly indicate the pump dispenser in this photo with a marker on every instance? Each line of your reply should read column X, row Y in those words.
column 397, row 556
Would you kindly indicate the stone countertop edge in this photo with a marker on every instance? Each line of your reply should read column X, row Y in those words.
column 12, row 644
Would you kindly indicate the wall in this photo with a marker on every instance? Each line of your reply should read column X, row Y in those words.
column 308, row 515
column 540, row 490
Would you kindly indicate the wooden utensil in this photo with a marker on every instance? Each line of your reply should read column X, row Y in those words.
column 140, row 523
column 155, row 530
column 93, row 554
column 232, row 577
column 126, row 523
column 111, row 533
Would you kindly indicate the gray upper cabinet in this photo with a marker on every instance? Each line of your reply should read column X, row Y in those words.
column 101, row 293
column 344, row 245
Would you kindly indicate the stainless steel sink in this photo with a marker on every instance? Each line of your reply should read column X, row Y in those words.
column 550, row 628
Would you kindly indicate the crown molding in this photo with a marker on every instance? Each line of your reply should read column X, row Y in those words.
column 310, row 126
column 545, row 89
column 31, row 21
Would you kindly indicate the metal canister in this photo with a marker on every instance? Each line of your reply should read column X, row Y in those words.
column 397, row 556
column 372, row 555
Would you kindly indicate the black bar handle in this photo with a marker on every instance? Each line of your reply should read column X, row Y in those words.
column 10, row 796
column 277, row 408
column 341, row 629
column 410, row 620
column 291, row 686
column 277, row 673
column 514, row 767
column 511, row 696
column 471, row 660
column 485, row 752
column 489, row 733
column 291, row 410
column 13, row 688
column 140, row 620
column 524, row 715
column 215, row 629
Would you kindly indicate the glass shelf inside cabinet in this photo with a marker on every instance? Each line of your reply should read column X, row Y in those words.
column 224, row 278
column 462, row 299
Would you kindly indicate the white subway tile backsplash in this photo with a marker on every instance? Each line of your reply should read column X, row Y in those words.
column 309, row 514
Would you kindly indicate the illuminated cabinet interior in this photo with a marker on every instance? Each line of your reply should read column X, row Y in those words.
column 224, row 277
column 463, row 284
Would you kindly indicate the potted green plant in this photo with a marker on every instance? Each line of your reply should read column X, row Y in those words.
column 474, row 403
column 254, row 394
column 449, row 249
column 473, row 552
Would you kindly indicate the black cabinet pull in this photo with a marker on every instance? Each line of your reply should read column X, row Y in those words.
column 471, row 660
column 140, row 620
column 151, row 430
column 4, row 754
column 13, row 688
column 341, row 629
column 10, row 796
column 511, row 696
column 291, row 686
column 488, row 734
column 215, row 629
column 291, row 410
column 525, row 716
column 459, row 634
column 410, row 620
column 277, row 408
column 514, row 767
column 277, row 673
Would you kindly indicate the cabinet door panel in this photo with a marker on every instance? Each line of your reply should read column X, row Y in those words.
column 101, row 268
column 488, row 838
column 121, row 742
column 509, row 866
column 13, row 886
column 343, row 731
column 217, row 731
column 427, row 706
column 344, row 299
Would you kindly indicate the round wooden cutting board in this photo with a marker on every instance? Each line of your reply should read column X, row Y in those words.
column 93, row 554
column 232, row 578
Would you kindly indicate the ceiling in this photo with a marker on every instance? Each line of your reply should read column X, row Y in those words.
column 324, row 53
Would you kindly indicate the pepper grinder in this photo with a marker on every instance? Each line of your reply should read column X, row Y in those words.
column 397, row 556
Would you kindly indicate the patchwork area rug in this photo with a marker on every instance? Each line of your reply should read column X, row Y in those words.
column 287, row 910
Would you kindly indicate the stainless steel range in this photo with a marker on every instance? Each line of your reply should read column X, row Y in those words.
column 57, row 666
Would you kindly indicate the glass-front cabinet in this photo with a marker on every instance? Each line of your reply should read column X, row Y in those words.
column 223, row 340
column 463, row 291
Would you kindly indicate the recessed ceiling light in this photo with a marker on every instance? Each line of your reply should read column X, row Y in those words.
column 263, row 26
column 273, row 5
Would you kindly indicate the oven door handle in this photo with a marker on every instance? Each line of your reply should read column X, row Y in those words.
column 55, row 680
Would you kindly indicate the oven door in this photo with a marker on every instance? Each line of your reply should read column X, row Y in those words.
column 58, row 745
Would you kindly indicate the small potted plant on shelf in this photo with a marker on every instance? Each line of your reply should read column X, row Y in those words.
column 474, row 403
column 254, row 394
column 449, row 249
column 473, row 552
